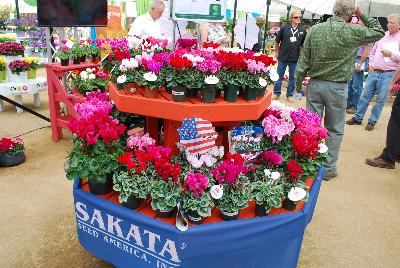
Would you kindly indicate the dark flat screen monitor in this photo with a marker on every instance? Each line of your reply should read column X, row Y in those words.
column 69, row 13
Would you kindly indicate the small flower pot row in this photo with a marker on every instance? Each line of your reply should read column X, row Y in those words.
column 65, row 62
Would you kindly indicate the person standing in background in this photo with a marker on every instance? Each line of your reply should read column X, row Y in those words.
column 383, row 62
column 328, row 58
column 288, row 43
column 149, row 23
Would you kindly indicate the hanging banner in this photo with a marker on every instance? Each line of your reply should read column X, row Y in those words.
column 114, row 27
column 199, row 10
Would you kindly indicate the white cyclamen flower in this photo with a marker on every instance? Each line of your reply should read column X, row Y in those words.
column 134, row 42
column 151, row 77
column 267, row 172
column 121, row 79
column 84, row 75
column 262, row 82
column 297, row 194
column 275, row 175
column 89, row 71
column 273, row 74
column 133, row 63
column 211, row 80
column 92, row 76
column 322, row 148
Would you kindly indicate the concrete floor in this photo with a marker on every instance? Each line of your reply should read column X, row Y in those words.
column 356, row 221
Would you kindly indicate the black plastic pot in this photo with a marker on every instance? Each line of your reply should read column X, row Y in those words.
column 95, row 58
column 12, row 160
column 65, row 62
column 179, row 93
column 251, row 94
column 168, row 89
column 229, row 216
column 208, row 94
column 217, row 93
column 194, row 217
column 231, row 93
column 83, row 59
column 192, row 92
column 289, row 204
column 261, row 92
column 76, row 60
column 101, row 188
column 165, row 214
column 120, row 85
column 260, row 210
column 133, row 202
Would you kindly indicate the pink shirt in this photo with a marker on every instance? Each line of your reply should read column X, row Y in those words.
column 376, row 59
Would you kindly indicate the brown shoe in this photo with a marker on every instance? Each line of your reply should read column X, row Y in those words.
column 351, row 111
column 380, row 162
column 275, row 97
column 290, row 99
column 353, row 121
column 369, row 127
column 329, row 176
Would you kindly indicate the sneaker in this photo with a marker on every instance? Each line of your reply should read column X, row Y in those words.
column 329, row 176
column 275, row 97
column 351, row 110
column 290, row 99
column 353, row 121
column 370, row 127
column 379, row 162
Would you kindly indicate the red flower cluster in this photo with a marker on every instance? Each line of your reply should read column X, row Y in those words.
column 294, row 170
column 18, row 66
column 267, row 60
column 7, row 144
column 231, row 61
column 179, row 62
column 305, row 145
column 11, row 49
column 119, row 55
column 236, row 158
column 211, row 44
column 137, row 160
column 165, row 169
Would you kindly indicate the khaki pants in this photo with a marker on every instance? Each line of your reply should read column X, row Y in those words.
column 329, row 100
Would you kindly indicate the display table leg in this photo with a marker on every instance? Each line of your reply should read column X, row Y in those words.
column 171, row 136
column 18, row 99
column 36, row 100
column 2, row 106
column 152, row 127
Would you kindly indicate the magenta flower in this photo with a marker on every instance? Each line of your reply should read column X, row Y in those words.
column 273, row 158
column 228, row 172
column 197, row 183
column 208, row 66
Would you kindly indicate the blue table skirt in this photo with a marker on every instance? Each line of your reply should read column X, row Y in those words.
column 126, row 238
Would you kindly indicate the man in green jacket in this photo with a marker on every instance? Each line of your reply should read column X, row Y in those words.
column 327, row 58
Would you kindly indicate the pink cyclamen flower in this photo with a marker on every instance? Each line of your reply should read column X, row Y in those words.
column 273, row 158
column 197, row 183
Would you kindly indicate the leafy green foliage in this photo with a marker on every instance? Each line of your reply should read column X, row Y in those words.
column 235, row 196
column 135, row 184
column 202, row 205
column 164, row 194
column 267, row 194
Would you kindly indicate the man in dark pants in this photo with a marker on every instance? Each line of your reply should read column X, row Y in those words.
column 392, row 151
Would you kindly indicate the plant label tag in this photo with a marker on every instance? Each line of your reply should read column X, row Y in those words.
column 217, row 191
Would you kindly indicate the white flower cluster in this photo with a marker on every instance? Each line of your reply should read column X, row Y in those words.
column 284, row 109
column 297, row 194
column 128, row 64
column 151, row 77
column 263, row 83
column 121, row 79
column 194, row 59
column 88, row 74
column 134, row 42
column 233, row 49
column 211, row 80
column 274, row 176
column 273, row 74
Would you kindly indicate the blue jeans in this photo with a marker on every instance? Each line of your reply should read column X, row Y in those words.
column 377, row 84
column 356, row 87
column 281, row 72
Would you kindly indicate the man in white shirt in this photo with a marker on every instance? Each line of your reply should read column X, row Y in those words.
column 149, row 23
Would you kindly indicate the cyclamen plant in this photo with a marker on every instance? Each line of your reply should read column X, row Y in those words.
column 18, row 66
column 196, row 198
column 11, row 146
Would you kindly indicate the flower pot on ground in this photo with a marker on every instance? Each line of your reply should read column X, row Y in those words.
column 192, row 92
column 208, row 94
column 101, row 187
column 179, row 93
column 229, row 216
column 251, row 94
column 196, row 200
column 11, row 152
column 12, row 160
column 231, row 93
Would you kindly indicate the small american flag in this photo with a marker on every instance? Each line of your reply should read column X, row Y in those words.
column 197, row 135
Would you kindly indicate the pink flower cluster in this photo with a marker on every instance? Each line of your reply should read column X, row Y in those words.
column 272, row 158
column 11, row 49
column 197, row 183
column 117, row 43
column 140, row 142
column 94, row 121
column 256, row 67
column 209, row 66
column 308, row 123
column 277, row 128
column 7, row 144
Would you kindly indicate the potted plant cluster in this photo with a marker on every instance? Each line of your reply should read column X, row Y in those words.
column 11, row 152
column 96, row 143
column 12, row 51
column 63, row 53
column 33, row 66
column 91, row 79
column 19, row 70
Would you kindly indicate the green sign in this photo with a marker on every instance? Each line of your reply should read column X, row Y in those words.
column 204, row 10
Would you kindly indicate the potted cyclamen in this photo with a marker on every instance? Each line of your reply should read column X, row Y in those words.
column 267, row 192
column 196, row 199
column 180, row 77
column 263, row 87
column 77, row 52
column 134, row 183
column 235, row 186
column 95, row 50
column 152, row 84
column 33, row 66
column 121, row 81
column 11, row 152
column 63, row 54
column 95, row 142
column 295, row 172
column 166, row 189
column 3, row 73
column 208, row 92
column 18, row 70
column 295, row 194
